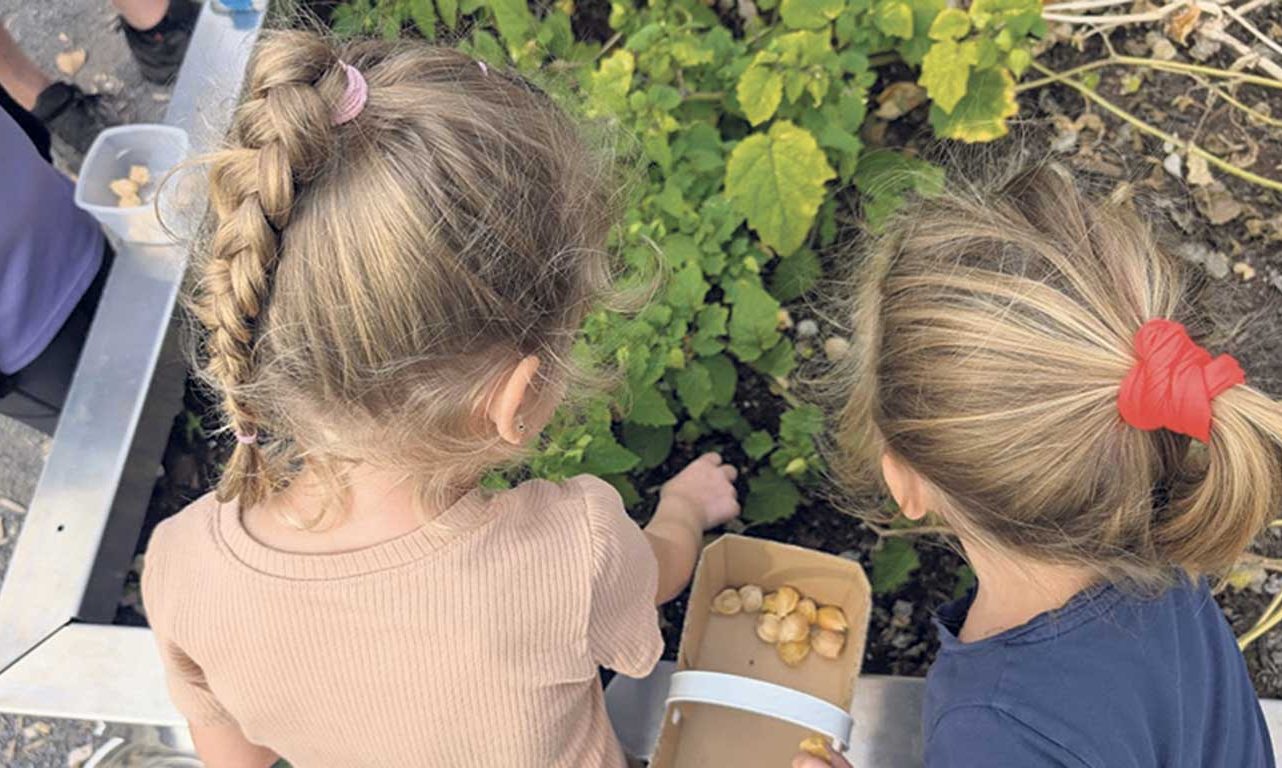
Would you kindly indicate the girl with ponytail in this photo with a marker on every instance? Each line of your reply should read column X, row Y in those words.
column 1022, row 370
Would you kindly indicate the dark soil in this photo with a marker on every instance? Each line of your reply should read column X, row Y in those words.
column 1243, row 316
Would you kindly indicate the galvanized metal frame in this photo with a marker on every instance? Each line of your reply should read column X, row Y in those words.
column 58, row 656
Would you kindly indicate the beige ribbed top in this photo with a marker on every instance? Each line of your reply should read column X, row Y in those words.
column 472, row 641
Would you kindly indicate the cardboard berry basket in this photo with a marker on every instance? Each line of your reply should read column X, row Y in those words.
column 732, row 700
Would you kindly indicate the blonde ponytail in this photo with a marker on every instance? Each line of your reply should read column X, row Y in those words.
column 992, row 333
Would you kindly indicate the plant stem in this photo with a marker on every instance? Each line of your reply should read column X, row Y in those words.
column 1268, row 620
column 1249, row 27
column 1189, row 146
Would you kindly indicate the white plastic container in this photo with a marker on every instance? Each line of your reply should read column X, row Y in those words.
column 158, row 147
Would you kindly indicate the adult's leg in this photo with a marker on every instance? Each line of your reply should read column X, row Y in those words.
column 142, row 14
column 19, row 75
column 158, row 32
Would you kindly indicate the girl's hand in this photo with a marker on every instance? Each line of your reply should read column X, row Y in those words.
column 803, row 760
column 704, row 489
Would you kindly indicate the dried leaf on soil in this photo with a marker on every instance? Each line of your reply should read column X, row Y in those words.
column 898, row 99
column 1216, row 203
column 1182, row 23
column 1199, row 172
column 69, row 63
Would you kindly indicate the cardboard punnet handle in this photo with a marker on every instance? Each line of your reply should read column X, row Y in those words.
column 762, row 698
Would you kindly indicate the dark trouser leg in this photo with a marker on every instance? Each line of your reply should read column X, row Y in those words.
column 35, row 394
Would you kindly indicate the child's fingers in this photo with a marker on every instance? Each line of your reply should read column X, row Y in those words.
column 729, row 471
column 711, row 457
column 803, row 760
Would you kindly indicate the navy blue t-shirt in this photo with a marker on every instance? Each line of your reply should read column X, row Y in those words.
column 1108, row 681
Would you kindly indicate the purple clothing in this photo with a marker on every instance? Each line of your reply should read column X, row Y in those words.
column 50, row 250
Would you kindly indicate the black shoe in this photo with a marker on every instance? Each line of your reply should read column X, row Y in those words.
column 159, row 50
column 74, row 117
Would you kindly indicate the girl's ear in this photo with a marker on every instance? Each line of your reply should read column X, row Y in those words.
column 906, row 486
column 505, row 408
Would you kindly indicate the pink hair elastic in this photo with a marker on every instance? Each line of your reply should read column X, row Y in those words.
column 353, row 100
column 246, row 438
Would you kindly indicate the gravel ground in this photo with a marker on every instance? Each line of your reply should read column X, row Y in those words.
column 45, row 29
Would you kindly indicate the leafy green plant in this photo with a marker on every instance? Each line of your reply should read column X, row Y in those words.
column 893, row 562
column 745, row 128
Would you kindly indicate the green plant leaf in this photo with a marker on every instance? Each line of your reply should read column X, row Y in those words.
column 924, row 13
column 778, row 361
column 708, row 338
column 754, row 318
column 1019, row 16
column 694, row 387
column 650, row 409
column 945, row 72
column 776, row 180
column 449, row 12
column 810, row 14
column 651, row 444
column 1018, row 60
column 884, row 178
column 965, row 580
column 514, row 21
column 894, row 18
column 801, row 424
column 609, row 85
column 758, row 444
column 724, row 376
column 604, row 456
column 687, row 288
column 770, row 498
column 892, row 563
column 759, row 91
column 981, row 114
column 950, row 24
column 795, row 275
column 423, row 12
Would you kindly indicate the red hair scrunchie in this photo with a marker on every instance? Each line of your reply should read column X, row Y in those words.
column 1174, row 381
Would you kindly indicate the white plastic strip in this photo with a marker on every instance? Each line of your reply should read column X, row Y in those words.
column 762, row 698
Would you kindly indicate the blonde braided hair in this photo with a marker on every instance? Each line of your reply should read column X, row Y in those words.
column 364, row 282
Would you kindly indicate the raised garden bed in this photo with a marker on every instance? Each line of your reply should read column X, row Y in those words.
column 1232, row 230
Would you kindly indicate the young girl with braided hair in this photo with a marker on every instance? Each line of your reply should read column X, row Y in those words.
column 404, row 243
column 1020, row 370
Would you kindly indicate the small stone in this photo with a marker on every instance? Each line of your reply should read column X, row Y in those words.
column 835, row 347
column 69, row 63
column 160, row 97
column 1275, row 280
column 807, row 328
column 1174, row 165
column 1244, row 271
column 1163, row 49
column 1217, row 265
column 1193, row 252
column 62, row 38
column 36, row 730
column 901, row 614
